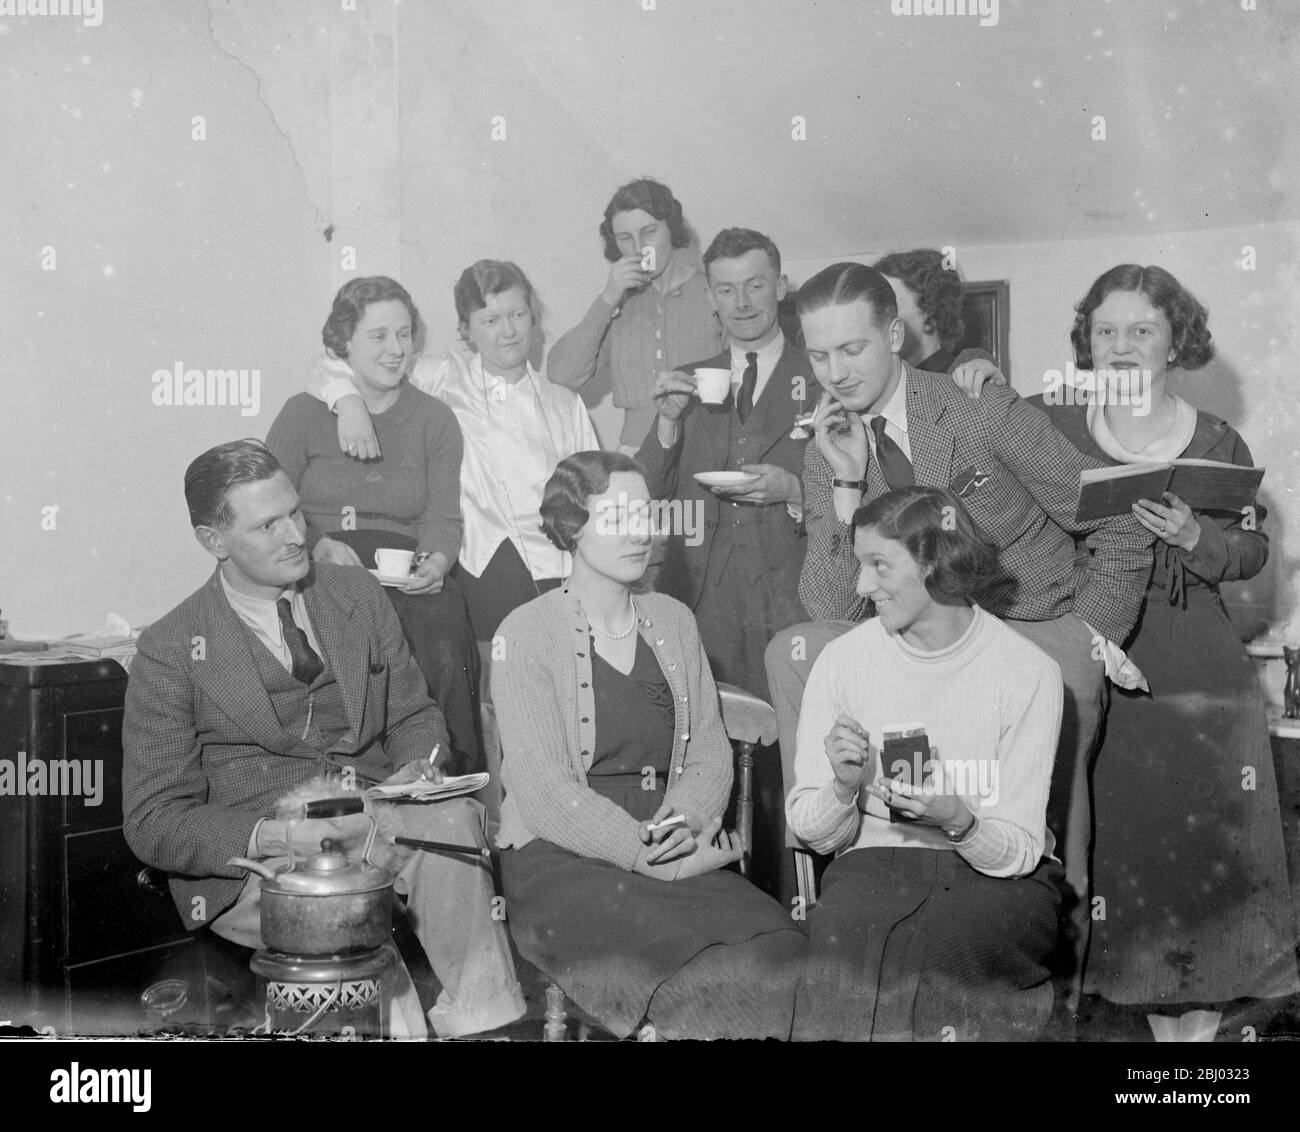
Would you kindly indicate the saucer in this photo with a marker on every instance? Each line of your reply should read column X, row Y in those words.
column 726, row 479
column 398, row 580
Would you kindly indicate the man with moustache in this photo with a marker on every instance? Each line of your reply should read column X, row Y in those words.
column 742, row 578
column 883, row 424
column 274, row 673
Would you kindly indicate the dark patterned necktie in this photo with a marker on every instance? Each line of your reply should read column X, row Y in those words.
column 745, row 402
column 307, row 665
column 895, row 467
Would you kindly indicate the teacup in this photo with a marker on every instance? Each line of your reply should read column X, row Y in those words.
column 394, row 563
column 712, row 385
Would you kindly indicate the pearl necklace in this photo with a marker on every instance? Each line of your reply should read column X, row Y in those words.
column 616, row 636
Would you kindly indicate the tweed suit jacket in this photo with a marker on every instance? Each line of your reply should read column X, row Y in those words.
column 204, row 756
column 704, row 445
column 1019, row 479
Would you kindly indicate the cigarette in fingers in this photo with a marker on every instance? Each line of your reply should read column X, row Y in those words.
column 805, row 422
column 667, row 823
column 433, row 755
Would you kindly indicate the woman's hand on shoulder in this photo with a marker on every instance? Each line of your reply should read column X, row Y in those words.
column 971, row 376
column 332, row 550
column 356, row 429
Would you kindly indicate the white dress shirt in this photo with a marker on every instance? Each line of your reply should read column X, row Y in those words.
column 768, row 356
column 895, row 414
column 261, row 616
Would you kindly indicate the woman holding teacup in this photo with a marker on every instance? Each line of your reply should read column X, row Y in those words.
column 938, row 915
column 516, row 427
column 653, row 314
column 404, row 505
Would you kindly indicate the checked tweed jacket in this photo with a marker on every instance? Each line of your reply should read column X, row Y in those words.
column 1019, row 479
column 205, row 756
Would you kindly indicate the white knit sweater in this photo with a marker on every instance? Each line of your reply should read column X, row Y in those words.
column 991, row 705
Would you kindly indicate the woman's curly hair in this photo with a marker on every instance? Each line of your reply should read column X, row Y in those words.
column 575, row 480
column 350, row 305
column 648, row 196
column 1193, row 344
column 939, row 534
column 937, row 288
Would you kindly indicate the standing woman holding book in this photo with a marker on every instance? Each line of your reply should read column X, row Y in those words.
column 1189, row 857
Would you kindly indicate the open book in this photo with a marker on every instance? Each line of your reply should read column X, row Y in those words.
column 1204, row 485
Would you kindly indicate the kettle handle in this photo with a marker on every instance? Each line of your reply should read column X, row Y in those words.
column 333, row 808
column 253, row 866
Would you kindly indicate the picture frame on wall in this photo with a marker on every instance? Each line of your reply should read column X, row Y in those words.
column 986, row 313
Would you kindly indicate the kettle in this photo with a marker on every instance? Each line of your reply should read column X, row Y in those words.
column 326, row 904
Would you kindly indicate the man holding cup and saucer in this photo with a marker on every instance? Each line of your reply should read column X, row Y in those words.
column 722, row 446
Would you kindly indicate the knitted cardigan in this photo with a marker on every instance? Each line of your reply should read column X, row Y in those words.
column 542, row 688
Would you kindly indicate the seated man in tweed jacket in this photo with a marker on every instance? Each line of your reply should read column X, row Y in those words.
column 882, row 425
column 276, row 672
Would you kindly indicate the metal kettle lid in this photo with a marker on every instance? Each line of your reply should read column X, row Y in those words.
column 329, row 873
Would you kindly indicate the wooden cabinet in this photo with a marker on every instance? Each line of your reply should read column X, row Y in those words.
column 80, row 936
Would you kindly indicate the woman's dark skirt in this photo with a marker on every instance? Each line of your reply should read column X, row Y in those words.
column 503, row 587
column 915, row 945
column 706, row 957
column 438, row 633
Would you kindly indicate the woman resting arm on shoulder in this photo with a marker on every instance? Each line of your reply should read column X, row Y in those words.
column 406, row 498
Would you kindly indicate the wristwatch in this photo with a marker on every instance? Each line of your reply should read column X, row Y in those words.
column 965, row 830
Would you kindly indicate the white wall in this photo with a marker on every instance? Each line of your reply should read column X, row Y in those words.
column 213, row 253
column 168, row 250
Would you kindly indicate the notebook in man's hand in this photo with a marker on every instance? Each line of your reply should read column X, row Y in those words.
column 453, row 786
column 1204, row 485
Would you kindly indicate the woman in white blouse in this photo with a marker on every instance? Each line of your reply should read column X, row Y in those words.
column 937, row 917
column 516, row 426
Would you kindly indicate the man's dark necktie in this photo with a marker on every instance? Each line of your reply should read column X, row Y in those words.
column 307, row 665
column 895, row 467
column 745, row 402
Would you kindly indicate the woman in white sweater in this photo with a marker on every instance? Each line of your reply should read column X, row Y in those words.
column 939, row 913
